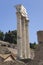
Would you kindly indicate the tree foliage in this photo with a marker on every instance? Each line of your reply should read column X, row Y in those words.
column 11, row 36
column 33, row 45
column 1, row 35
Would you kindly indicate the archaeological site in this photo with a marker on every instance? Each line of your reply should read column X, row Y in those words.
column 21, row 53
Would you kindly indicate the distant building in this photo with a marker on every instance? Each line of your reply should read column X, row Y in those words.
column 40, row 36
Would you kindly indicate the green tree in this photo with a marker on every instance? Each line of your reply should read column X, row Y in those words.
column 11, row 36
column 8, row 38
column 1, row 35
column 33, row 45
column 14, row 34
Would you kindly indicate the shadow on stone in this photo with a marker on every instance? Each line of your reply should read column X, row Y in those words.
column 25, row 60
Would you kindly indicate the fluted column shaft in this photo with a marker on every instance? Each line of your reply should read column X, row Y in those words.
column 24, row 38
column 27, row 40
column 23, row 45
column 19, row 35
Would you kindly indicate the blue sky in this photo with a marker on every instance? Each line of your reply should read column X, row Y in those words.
column 8, row 16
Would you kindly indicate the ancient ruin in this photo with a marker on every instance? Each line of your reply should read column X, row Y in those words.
column 40, row 36
column 22, row 53
column 23, row 45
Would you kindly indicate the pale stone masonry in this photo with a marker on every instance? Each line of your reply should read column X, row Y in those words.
column 23, row 45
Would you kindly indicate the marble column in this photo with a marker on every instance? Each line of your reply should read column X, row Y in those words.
column 27, row 39
column 23, row 45
column 19, row 35
column 23, row 38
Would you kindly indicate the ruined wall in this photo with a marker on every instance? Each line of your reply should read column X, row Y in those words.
column 40, row 36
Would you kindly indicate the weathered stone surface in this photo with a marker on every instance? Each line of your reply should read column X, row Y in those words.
column 40, row 36
column 23, row 45
column 4, row 50
column 1, row 59
column 32, row 62
column 21, row 9
column 39, row 52
column 12, row 63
